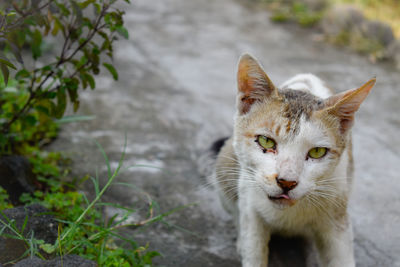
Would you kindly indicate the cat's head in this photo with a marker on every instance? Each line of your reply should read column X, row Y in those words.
column 290, row 143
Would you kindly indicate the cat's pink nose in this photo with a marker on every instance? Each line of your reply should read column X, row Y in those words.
column 285, row 184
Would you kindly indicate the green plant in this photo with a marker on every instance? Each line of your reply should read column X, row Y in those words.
column 38, row 92
column 33, row 99
column 84, row 229
column 387, row 11
column 4, row 202
column 297, row 11
column 17, row 233
column 304, row 16
column 359, row 43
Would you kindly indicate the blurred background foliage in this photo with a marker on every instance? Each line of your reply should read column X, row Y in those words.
column 387, row 11
column 369, row 27
column 48, row 51
column 308, row 12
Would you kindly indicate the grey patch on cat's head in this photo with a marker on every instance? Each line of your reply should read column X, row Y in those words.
column 297, row 103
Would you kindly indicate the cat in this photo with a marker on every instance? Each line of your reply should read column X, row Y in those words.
column 288, row 168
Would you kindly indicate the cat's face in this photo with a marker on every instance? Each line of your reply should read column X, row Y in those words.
column 290, row 142
column 272, row 145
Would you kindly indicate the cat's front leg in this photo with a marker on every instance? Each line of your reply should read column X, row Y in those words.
column 253, row 237
column 335, row 246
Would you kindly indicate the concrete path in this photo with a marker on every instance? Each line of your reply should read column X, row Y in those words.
column 176, row 96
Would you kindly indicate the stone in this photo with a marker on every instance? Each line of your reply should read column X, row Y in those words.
column 316, row 5
column 16, row 176
column 393, row 53
column 346, row 25
column 43, row 226
column 378, row 31
column 65, row 261
column 340, row 18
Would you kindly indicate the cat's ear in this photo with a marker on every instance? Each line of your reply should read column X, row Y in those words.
column 253, row 83
column 345, row 104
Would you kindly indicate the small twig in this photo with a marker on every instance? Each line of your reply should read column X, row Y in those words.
column 24, row 15
column 90, row 34
column 80, row 47
column 3, row 21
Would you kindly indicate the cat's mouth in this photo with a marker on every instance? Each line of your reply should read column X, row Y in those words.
column 282, row 199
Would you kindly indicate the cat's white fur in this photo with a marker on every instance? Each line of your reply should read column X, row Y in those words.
column 308, row 82
column 256, row 210
column 322, row 218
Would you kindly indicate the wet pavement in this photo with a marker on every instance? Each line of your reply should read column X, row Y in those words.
column 176, row 95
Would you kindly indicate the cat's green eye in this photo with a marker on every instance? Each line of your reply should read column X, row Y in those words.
column 317, row 152
column 265, row 142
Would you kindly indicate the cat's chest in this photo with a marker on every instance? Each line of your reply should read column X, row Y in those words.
column 293, row 220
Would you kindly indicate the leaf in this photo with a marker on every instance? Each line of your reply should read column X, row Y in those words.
column 5, row 61
column 76, row 105
column 46, row 107
column 30, row 120
column 77, row 11
column 95, row 70
column 57, row 26
column 50, row 17
column 63, row 9
column 50, row 95
column 11, row 14
column 22, row 74
column 48, row 248
column 18, row 37
column 123, row 31
column 96, row 8
column 5, row 72
column 43, row 110
column 61, row 103
column 106, row 45
column 73, row 94
column 36, row 44
column 81, row 62
column 86, row 3
column 103, row 34
column 90, row 80
column 72, row 88
column 16, row 52
column 112, row 70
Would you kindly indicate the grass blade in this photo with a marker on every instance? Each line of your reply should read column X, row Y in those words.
column 24, row 224
column 96, row 184
column 74, row 118
column 103, row 153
